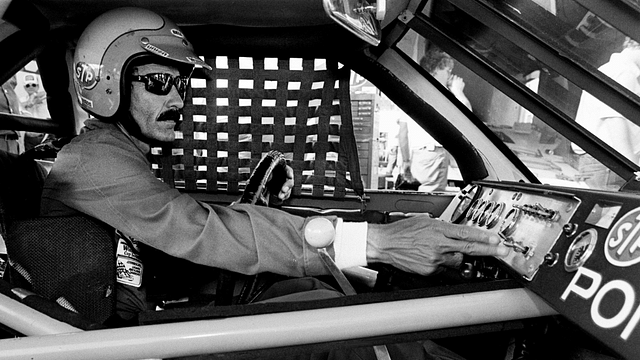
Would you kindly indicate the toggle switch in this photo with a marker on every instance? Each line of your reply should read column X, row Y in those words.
column 516, row 246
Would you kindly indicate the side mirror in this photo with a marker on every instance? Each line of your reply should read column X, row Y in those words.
column 359, row 17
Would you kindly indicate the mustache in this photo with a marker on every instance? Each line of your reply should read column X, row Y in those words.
column 171, row 114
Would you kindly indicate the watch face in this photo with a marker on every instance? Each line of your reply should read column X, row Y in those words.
column 467, row 197
column 580, row 250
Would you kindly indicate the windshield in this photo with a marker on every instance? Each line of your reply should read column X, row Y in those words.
column 569, row 28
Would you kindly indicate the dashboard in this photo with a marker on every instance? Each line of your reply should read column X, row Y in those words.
column 577, row 249
column 516, row 216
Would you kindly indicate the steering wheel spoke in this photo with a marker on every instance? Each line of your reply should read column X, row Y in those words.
column 268, row 176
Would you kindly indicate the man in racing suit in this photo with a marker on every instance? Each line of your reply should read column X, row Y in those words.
column 105, row 173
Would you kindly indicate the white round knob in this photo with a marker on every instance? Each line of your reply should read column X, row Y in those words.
column 319, row 232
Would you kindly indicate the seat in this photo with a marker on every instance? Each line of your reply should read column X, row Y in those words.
column 20, row 186
column 48, row 255
column 69, row 260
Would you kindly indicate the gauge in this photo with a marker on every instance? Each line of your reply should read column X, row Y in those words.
column 472, row 209
column 494, row 216
column 478, row 210
column 466, row 199
column 484, row 213
column 580, row 249
column 510, row 221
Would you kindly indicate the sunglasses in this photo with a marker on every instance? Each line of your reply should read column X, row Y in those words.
column 30, row 85
column 161, row 83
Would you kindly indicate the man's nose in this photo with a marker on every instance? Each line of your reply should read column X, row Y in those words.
column 176, row 99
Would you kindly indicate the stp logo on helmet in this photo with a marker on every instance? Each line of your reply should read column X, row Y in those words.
column 177, row 33
column 622, row 247
column 86, row 76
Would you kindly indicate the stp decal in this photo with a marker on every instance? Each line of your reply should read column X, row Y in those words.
column 622, row 246
column 86, row 75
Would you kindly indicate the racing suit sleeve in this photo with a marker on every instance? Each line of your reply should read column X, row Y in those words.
column 119, row 190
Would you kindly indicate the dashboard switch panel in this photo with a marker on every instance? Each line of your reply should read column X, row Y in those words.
column 530, row 223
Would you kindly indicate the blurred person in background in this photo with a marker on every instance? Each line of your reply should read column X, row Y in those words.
column 9, row 104
column 440, row 65
column 425, row 162
column 35, row 104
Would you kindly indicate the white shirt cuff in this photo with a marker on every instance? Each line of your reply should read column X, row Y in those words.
column 350, row 244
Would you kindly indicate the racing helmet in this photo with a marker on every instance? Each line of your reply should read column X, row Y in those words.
column 107, row 46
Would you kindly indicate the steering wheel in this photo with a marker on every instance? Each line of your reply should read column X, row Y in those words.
column 267, row 179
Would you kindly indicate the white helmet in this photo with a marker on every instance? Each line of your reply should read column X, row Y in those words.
column 110, row 42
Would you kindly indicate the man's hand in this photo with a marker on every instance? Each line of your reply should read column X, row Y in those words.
column 456, row 84
column 285, row 191
column 406, row 171
column 420, row 244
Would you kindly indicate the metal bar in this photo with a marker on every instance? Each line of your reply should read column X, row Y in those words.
column 20, row 122
column 381, row 351
column 28, row 321
column 284, row 329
